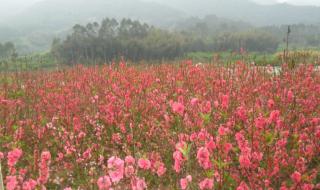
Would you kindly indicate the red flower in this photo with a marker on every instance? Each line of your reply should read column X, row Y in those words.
column 178, row 108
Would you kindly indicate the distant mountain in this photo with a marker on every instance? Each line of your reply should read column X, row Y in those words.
column 48, row 15
column 248, row 11
column 34, row 27
column 57, row 14
column 211, row 24
column 10, row 8
column 53, row 18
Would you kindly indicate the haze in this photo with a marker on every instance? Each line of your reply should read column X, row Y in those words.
column 32, row 24
column 17, row 5
column 11, row 7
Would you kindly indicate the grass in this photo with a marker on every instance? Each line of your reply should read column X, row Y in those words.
column 46, row 61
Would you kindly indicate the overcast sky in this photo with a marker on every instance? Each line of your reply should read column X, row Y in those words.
column 300, row 2
column 303, row 2
column 17, row 5
column 296, row 2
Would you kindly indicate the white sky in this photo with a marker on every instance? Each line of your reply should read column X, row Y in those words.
column 20, row 4
column 302, row 2
column 295, row 2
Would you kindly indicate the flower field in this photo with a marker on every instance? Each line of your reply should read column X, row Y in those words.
column 161, row 127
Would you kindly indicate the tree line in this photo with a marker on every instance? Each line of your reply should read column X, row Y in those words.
column 7, row 50
column 136, row 41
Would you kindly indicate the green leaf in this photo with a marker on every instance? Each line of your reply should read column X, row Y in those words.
column 220, row 164
column 15, row 127
column 186, row 151
column 206, row 118
column 269, row 137
column 209, row 174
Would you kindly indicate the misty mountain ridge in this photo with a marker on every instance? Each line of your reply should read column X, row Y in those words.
column 55, row 14
column 47, row 19
column 249, row 11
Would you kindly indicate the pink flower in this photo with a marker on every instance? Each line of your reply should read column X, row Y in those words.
column 144, row 164
column 46, row 156
column 138, row 184
column 270, row 103
column 161, row 170
column 206, row 184
column 178, row 160
column 283, row 188
column 189, row 178
column 223, row 131
column 243, row 186
column 116, row 169
column 257, row 155
column 23, row 172
column 44, row 167
column 203, row 157
column 307, row 187
column 1, row 156
column 130, row 160
column 296, row 177
column 184, row 182
column 104, row 183
column 242, row 114
column 211, row 145
column 87, row 154
column 194, row 101
column 68, row 188
column 76, row 124
column 181, row 146
column 11, row 182
column 290, row 96
column 227, row 147
column 260, row 122
column 274, row 116
column 216, row 104
column 225, row 101
column 207, row 107
column 178, row 108
column 14, row 156
column 244, row 161
column 129, row 171
column 141, row 184
column 29, row 185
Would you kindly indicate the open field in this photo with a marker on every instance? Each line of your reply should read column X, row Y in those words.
column 181, row 126
column 46, row 61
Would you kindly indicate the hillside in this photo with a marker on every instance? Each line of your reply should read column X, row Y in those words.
column 249, row 11
column 54, row 18
column 34, row 27
column 56, row 14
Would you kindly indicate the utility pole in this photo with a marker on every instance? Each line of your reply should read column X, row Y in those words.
column 287, row 41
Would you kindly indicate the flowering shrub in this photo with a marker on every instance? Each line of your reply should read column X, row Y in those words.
column 161, row 127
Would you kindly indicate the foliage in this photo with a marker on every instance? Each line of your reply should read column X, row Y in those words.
column 28, row 63
column 137, row 41
column 111, row 40
column 7, row 50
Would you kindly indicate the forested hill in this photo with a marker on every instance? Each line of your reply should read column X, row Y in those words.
column 34, row 27
column 57, row 14
column 248, row 11
column 136, row 41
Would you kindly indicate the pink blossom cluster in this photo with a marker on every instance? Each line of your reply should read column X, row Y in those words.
column 161, row 127
column 124, row 173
